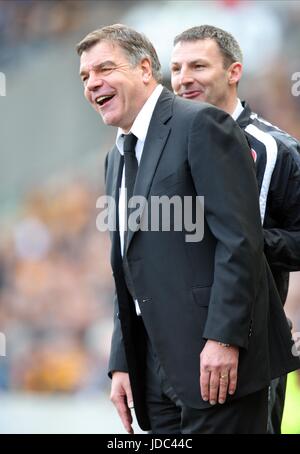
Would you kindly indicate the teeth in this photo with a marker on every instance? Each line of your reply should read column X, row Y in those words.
column 100, row 99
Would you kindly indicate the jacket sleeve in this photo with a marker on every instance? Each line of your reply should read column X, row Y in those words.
column 117, row 358
column 223, row 172
column 282, row 245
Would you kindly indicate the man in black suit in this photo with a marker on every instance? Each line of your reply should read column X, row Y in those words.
column 192, row 347
column 206, row 65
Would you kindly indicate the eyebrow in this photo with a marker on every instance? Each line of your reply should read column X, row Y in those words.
column 98, row 66
column 193, row 62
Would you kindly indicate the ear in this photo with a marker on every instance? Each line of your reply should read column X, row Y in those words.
column 235, row 73
column 146, row 69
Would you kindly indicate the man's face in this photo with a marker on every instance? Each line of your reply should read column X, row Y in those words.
column 112, row 85
column 197, row 72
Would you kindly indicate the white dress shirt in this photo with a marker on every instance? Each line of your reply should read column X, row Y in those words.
column 238, row 110
column 139, row 129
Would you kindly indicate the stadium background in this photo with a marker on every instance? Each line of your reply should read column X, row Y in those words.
column 55, row 281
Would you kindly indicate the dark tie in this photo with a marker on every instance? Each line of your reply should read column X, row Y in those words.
column 131, row 168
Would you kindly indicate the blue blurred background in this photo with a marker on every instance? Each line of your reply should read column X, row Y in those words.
column 55, row 280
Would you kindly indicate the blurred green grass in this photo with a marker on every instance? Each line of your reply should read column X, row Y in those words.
column 291, row 415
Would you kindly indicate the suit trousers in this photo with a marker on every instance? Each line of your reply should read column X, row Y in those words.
column 168, row 415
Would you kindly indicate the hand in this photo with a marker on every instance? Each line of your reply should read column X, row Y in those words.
column 121, row 396
column 218, row 371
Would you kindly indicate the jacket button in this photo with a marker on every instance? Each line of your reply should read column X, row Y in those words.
column 250, row 330
column 146, row 300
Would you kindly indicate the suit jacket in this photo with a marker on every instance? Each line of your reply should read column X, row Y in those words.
column 218, row 288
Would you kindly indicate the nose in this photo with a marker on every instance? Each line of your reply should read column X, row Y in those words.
column 94, row 82
column 185, row 77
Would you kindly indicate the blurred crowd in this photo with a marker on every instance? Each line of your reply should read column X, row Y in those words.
column 55, row 294
column 28, row 24
column 271, row 96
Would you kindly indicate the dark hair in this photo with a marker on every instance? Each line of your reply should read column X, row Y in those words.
column 227, row 44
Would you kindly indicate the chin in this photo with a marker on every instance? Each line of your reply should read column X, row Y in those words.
column 202, row 98
column 109, row 120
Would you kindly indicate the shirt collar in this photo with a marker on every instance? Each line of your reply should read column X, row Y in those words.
column 238, row 110
column 141, row 123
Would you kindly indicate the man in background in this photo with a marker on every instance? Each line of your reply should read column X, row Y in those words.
column 206, row 65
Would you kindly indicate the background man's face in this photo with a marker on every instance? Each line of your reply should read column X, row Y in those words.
column 197, row 72
column 111, row 84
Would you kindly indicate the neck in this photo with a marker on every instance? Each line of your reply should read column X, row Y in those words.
column 230, row 104
column 150, row 89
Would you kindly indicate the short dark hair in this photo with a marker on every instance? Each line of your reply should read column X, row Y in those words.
column 227, row 44
column 136, row 45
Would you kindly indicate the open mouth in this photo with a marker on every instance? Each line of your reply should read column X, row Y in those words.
column 102, row 100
